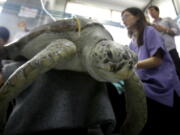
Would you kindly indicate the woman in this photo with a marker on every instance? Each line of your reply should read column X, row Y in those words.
column 156, row 70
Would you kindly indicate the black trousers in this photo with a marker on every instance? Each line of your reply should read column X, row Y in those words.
column 176, row 113
column 175, row 57
column 162, row 119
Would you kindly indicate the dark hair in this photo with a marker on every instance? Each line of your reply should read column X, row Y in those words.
column 140, row 24
column 154, row 7
column 4, row 33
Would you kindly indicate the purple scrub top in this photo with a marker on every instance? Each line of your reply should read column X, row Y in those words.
column 159, row 82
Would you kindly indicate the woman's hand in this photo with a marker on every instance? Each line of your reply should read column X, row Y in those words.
column 151, row 62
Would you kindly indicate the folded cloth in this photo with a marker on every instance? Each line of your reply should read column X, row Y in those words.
column 60, row 100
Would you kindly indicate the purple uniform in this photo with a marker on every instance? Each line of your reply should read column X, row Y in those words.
column 159, row 82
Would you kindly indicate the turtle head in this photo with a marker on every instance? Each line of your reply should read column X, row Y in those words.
column 110, row 61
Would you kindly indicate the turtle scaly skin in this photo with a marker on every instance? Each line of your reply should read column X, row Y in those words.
column 79, row 45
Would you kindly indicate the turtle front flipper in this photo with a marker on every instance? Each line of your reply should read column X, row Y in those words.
column 58, row 52
column 136, row 107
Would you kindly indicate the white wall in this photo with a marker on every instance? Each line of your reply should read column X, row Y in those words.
column 166, row 8
column 119, row 34
column 58, row 5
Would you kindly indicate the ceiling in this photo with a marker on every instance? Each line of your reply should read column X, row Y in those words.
column 118, row 5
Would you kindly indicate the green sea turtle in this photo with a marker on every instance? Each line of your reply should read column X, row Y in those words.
column 80, row 45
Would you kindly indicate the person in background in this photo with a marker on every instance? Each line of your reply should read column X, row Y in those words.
column 4, row 35
column 168, row 29
column 4, row 38
column 156, row 70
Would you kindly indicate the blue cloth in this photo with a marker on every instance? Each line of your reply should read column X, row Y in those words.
column 159, row 82
column 119, row 86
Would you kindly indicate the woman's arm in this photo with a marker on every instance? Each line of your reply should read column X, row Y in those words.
column 151, row 62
